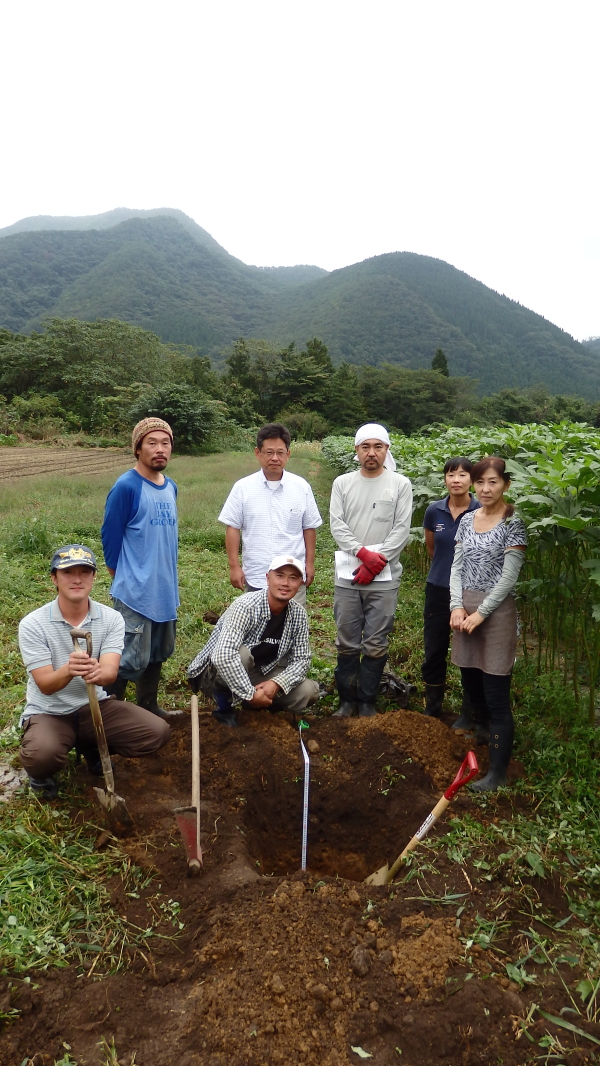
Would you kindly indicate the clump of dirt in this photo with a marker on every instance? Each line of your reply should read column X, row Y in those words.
column 424, row 956
column 272, row 965
column 427, row 740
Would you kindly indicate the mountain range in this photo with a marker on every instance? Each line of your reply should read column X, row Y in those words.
column 160, row 270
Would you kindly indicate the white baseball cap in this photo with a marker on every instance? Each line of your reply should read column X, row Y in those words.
column 286, row 560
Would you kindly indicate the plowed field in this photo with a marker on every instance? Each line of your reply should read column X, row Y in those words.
column 17, row 463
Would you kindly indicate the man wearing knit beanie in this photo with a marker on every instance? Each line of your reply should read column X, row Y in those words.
column 139, row 538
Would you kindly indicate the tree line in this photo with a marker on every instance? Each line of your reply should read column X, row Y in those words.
column 97, row 379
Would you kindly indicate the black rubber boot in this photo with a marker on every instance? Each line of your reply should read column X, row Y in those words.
column 346, row 680
column 480, row 722
column 117, row 689
column 434, row 698
column 369, row 678
column 501, row 742
column 224, row 713
column 465, row 719
column 43, row 788
column 146, row 690
column 345, row 710
column 94, row 762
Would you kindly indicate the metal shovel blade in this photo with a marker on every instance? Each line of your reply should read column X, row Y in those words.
column 380, row 877
column 116, row 811
column 187, row 823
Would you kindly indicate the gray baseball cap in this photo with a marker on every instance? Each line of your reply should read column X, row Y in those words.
column 73, row 555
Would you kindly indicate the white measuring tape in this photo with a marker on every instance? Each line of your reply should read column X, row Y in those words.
column 305, row 802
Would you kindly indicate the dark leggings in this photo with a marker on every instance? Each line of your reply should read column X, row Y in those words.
column 493, row 692
column 436, row 634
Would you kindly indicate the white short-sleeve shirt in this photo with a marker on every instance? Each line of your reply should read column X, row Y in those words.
column 272, row 520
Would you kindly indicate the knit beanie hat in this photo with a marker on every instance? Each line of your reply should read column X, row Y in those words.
column 147, row 425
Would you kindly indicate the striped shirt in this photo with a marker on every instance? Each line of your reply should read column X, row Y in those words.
column 243, row 624
column 272, row 520
column 45, row 640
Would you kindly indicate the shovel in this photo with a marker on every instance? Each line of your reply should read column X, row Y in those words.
column 468, row 770
column 114, row 806
column 188, row 818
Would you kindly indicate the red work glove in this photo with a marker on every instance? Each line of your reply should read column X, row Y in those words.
column 374, row 561
column 362, row 576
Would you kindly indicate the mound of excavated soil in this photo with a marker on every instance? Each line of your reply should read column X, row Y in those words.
column 276, row 966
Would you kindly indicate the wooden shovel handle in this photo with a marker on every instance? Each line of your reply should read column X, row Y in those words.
column 76, row 636
column 430, row 820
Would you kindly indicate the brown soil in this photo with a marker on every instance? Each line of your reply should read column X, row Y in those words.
column 18, row 463
column 275, row 965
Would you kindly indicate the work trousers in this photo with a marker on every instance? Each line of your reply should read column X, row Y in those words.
column 436, row 634
column 130, row 731
column 364, row 616
column 297, row 699
column 145, row 642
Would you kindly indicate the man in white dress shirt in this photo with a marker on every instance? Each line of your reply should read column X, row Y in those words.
column 274, row 512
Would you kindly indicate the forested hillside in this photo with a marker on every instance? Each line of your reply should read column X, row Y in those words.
column 163, row 272
column 89, row 382
column 400, row 307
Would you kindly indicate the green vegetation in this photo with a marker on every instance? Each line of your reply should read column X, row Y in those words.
column 161, row 271
column 94, row 380
column 53, row 886
column 439, row 362
column 100, row 378
column 555, row 487
column 304, row 390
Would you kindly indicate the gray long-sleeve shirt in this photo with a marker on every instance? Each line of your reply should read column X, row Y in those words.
column 372, row 510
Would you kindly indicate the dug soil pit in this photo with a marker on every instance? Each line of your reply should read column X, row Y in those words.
column 272, row 965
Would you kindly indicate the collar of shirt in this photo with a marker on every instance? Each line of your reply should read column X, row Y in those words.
column 265, row 480
column 56, row 614
column 444, row 505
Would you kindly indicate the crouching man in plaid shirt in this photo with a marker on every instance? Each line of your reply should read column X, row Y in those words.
column 259, row 653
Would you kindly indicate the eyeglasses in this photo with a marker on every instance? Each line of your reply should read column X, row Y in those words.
column 274, row 455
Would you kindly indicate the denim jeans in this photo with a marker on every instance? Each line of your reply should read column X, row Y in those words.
column 145, row 642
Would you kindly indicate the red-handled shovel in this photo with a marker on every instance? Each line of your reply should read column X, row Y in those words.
column 468, row 770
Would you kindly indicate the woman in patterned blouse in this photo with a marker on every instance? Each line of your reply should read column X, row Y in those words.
column 489, row 553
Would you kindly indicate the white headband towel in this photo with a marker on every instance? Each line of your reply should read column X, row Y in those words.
column 374, row 430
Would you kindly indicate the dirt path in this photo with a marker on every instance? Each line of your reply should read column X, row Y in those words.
column 275, row 966
column 17, row 463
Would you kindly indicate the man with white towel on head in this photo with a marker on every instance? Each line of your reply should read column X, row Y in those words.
column 370, row 517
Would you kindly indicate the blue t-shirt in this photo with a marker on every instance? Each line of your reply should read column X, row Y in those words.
column 440, row 522
column 139, row 538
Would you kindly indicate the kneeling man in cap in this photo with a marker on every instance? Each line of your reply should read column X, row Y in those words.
column 57, row 714
column 370, row 514
column 258, row 653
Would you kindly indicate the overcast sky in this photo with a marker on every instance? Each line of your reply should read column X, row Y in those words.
column 323, row 132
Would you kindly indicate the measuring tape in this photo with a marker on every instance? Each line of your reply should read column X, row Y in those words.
column 304, row 725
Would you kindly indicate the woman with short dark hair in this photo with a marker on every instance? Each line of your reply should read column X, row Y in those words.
column 489, row 553
column 440, row 524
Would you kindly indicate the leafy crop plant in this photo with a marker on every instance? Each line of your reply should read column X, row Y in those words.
column 555, row 488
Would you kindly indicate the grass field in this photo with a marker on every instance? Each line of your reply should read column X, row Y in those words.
column 41, row 513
